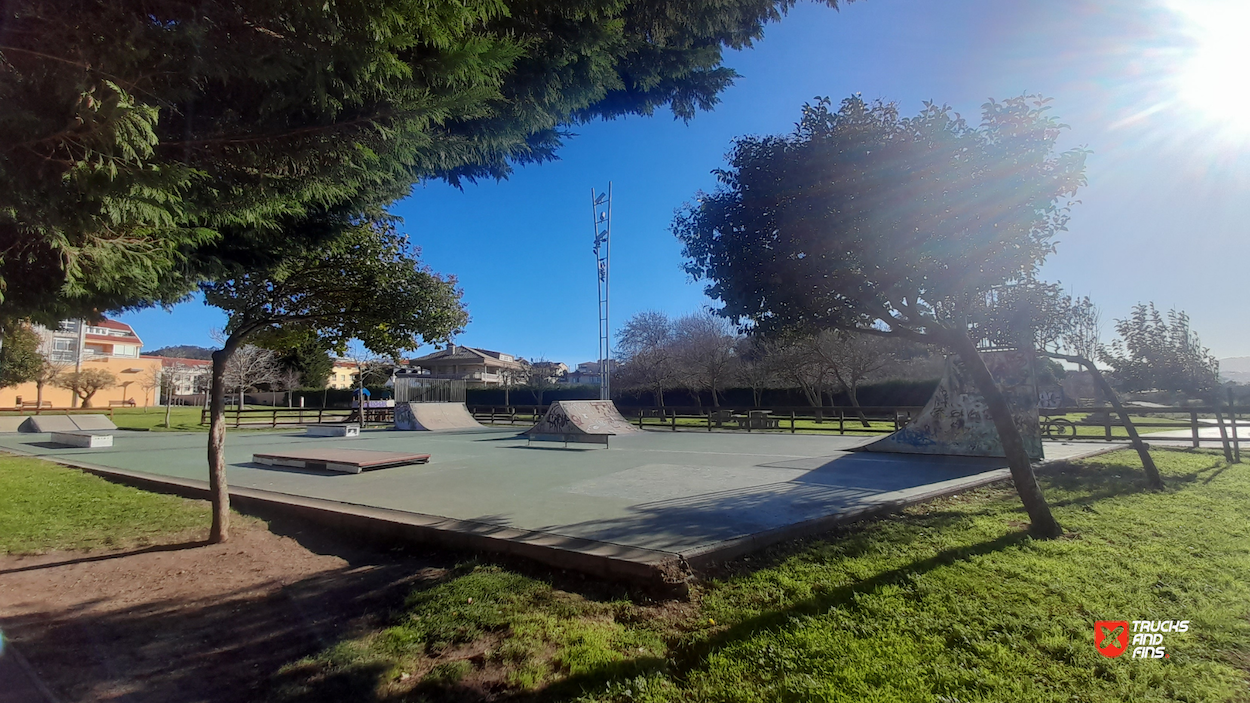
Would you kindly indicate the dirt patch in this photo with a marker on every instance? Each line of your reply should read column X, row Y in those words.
column 187, row 621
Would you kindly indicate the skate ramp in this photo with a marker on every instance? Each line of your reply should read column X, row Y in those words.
column 49, row 423
column 433, row 417
column 11, row 423
column 956, row 421
column 93, row 422
column 583, row 417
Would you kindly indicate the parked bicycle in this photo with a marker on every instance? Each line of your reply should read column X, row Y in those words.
column 1059, row 428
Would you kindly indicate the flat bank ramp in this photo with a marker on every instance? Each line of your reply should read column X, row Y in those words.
column 433, row 417
column 66, row 423
column 566, row 417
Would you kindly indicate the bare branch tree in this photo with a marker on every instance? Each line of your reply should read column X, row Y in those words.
column 647, row 354
column 705, row 351
column 251, row 367
column 754, row 369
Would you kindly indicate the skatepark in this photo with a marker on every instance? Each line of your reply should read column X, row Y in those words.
column 651, row 506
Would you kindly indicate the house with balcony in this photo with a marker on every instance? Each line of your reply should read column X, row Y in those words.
column 77, row 345
column 477, row 367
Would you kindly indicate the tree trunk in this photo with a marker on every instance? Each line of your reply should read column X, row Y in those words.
column 38, row 394
column 852, row 392
column 1147, row 462
column 219, row 493
column 1044, row 523
column 169, row 400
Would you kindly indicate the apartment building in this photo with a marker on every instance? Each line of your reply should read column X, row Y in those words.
column 75, row 345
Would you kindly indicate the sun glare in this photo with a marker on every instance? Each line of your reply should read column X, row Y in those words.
column 1214, row 77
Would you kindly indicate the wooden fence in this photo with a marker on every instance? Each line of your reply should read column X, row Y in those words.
column 295, row 417
column 1097, row 424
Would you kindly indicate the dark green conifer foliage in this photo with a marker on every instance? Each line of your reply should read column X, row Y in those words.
column 133, row 135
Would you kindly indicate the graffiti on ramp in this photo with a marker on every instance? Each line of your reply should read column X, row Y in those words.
column 583, row 417
column 956, row 420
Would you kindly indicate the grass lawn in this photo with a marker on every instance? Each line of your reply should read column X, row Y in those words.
column 45, row 506
column 182, row 418
column 950, row 601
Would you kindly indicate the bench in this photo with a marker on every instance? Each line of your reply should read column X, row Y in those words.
column 86, row 440
column 333, row 431
column 575, row 437
column 127, row 403
column 34, row 404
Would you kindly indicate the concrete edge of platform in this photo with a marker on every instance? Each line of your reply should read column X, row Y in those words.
column 703, row 557
column 647, row 567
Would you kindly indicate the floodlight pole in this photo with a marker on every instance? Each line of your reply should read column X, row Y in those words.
column 601, row 214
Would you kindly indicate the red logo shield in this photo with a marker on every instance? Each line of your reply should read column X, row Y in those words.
column 1111, row 637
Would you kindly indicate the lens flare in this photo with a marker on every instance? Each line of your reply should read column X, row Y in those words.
column 1213, row 78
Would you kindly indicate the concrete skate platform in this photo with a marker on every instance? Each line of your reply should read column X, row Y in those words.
column 652, row 506
column 349, row 461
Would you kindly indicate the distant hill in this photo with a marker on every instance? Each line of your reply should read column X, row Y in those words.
column 1235, row 369
column 183, row 351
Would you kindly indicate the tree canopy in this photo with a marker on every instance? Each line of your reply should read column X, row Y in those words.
column 1161, row 352
column 135, row 135
column 364, row 286
column 20, row 358
column 905, row 226
column 865, row 219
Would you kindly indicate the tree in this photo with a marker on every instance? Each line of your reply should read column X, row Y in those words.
column 851, row 359
column 251, row 367
column 754, row 369
column 86, row 383
column 289, row 381
column 130, row 166
column 1074, row 338
column 794, row 361
column 864, row 220
column 363, row 284
column 538, row 378
column 1160, row 353
column 705, row 350
column 310, row 359
column 49, row 373
column 20, row 359
column 646, row 353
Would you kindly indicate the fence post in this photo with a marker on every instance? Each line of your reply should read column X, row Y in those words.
column 791, row 422
column 674, row 419
column 640, row 414
column 1232, row 423
column 1107, row 427
column 274, row 424
column 841, row 422
column 1193, row 425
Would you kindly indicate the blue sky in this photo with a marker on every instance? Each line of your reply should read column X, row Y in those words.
column 1164, row 217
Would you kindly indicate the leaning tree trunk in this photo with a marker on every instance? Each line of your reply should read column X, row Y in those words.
column 219, row 493
column 852, row 393
column 1147, row 462
column 1044, row 523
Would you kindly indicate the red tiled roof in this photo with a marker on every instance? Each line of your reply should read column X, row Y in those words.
column 115, row 325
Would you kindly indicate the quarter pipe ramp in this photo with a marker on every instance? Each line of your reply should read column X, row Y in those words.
column 566, row 417
column 434, row 417
column 956, row 420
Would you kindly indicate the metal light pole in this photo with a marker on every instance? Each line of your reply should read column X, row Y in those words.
column 601, row 210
